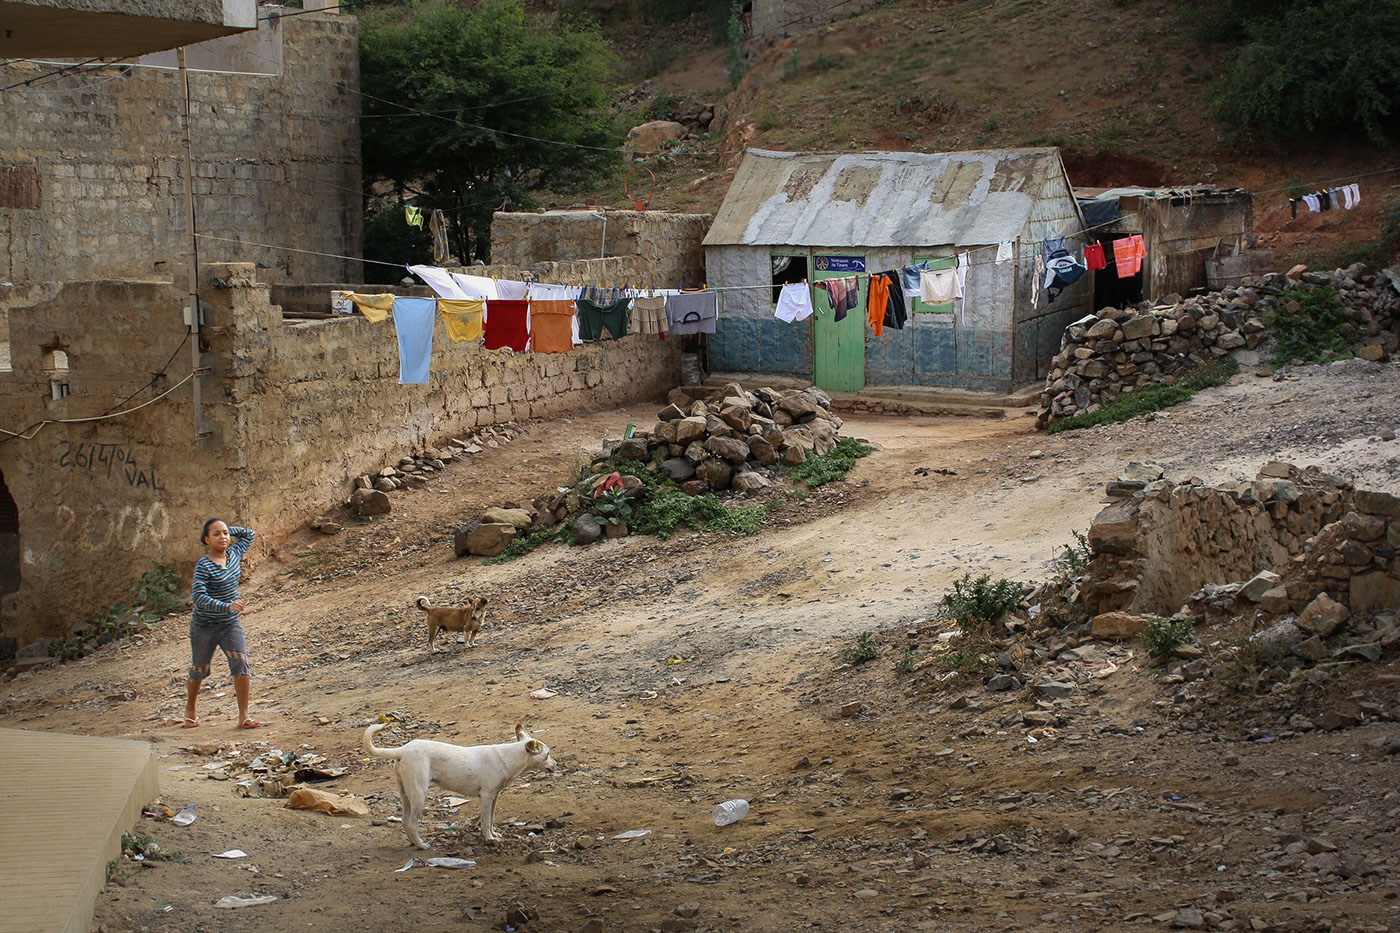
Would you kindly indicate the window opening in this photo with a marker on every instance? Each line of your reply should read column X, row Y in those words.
column 1109, row 290
column 787, row 270
column 56, row 368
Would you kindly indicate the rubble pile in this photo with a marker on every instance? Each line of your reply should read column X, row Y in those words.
column 1121, row 350
column 734, row 442
column 370, row 493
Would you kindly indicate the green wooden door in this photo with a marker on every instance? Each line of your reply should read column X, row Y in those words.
column 838, row 353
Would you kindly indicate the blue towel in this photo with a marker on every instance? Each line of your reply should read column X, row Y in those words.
column 413, row 321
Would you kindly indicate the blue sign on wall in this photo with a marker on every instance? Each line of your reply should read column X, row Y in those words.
column 840, row 264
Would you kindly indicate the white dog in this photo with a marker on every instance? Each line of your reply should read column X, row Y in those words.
column 478, row 770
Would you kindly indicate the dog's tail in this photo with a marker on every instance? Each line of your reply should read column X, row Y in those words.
column 424, row 603
column 369, row 745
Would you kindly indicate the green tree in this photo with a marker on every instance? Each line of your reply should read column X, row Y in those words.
column 1304, row 67
column 516, row 105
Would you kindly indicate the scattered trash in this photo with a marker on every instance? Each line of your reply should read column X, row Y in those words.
column 453, row 803
column 306, row 798
column 158, row 811
column 177, row 767
column 544, row 693
column 731, row 811
column 230, row 901
column 638, row 833
column 231, row 853
column 438, row 862
column 185, row 817
column 166, row 909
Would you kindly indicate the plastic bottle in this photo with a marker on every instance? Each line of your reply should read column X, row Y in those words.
column 731, row 811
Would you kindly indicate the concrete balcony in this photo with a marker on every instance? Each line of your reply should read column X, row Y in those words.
column 116, row 28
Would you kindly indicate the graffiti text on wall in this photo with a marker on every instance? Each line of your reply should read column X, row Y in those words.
column 109, row 459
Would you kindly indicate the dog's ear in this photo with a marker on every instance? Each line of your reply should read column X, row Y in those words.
column 481, row 602
column 534, row 747
column 520, row 733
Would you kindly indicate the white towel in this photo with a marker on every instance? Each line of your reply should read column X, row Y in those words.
column 440, row 281
column 512, row 290
column 1006, row 251
column 794, row 303
column 476, row 286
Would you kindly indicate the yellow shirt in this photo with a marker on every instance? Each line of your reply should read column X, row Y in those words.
column 375, row 308
column 462, row 318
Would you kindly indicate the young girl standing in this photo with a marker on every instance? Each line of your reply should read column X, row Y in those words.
column 215, row 622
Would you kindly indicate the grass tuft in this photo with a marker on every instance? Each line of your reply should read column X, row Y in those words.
column 831, row 466
column 1153, row 398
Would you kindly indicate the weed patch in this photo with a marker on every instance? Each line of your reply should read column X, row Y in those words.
column 977, row 602
column 830, row 466
column 155, row 596
column 1312, row 331
column 865, row 649
column 1160, row 637
column 972, row 659
column 521, row 546
column 667, row 509
column 1154, row 398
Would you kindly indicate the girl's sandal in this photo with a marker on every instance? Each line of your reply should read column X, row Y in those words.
column 250, row 723
column 191, row 723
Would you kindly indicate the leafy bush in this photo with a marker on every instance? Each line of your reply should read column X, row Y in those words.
column 977, row 602
column 905, row 664
column 865, row 649
column 1307, row 67
column 1154, row 398
column 156, row 589
column 1077, row 554
column 155, row 597
column 831, row 466
column 1160, row 637
column 611, row 506
column 1311, row 332
column 972, row 659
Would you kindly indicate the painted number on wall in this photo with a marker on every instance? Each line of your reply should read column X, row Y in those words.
column 103, row 459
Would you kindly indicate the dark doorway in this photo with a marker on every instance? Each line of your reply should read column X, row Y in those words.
column 787, row 270
column 9, row 540
column 1109, row 290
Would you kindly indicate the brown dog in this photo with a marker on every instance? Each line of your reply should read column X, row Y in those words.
column 466, row 619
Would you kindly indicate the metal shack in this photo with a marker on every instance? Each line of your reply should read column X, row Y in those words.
column 807, row 216
column 1185, row 231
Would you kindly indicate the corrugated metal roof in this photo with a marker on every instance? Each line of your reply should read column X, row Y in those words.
column 872, row 199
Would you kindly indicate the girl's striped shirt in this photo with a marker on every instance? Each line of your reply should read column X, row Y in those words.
column 215, row 587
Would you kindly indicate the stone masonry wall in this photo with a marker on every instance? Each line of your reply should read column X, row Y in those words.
column 1166, row 540
column 276, row 161
column 296, row 412
column 666, row 245
column 1125, row 349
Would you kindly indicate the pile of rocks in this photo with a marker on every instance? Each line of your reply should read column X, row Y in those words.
column 1124, row 349
column 370, row 493
column 730, row 442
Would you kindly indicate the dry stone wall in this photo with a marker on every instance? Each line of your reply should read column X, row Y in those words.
column 663, row 248
column 1122, row 350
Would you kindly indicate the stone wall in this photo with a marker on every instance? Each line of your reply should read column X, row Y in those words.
column 1166, row 540
column 1125, row 349
column 295, row 413
column 665, row 247
column 97, row 156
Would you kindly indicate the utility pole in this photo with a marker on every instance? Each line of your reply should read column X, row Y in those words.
column 193, row 309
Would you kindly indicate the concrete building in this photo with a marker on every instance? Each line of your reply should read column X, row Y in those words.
column 91, row 173
column 116, row 28
column 793, row 217
column 1183, row 229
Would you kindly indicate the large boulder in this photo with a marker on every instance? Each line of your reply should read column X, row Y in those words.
column 678, row 468
column 370, row 502
column 762, row 451
column 730, row 449
column 715, row 474
column 648, row 137
column 586, row 529
column 1116, row 626
column 690, row 429
column 799, row 406
column 749, row 482
column 1323, row 615
column 490, row 539
column 519, row 518
column 633, row 448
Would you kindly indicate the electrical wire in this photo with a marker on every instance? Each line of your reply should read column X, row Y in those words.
column 29, row 432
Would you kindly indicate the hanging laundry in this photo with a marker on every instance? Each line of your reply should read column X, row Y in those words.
column 507, row 326
column 440, row 281
column 551, row 326
column 895, row 309
column 462, row 319
column 1006, row 251
column 648, row 316
column 794, row 303
column 1093, row 257
column 375, row 308
column 1061, row 269
column 413, row 323
column 437, row 225
column 964, row 263
column 692, row 313
column 1355, row 190
column 877, row 298
column 1311, row 200
column 910, row 275
column 594, row 317
column 476, row 286
column 938, row 287
column 512, row 290
column 413, row 216
column 1128, row 254
column 1325, row 200
column 844, row 293
column 1036, row 276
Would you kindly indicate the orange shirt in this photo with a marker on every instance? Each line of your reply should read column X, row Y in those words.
column 551, row 326
column 877, row 298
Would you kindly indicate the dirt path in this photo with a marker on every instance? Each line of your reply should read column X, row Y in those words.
column 707, row 667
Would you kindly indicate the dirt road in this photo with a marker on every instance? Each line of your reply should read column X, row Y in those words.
column 707, row 667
